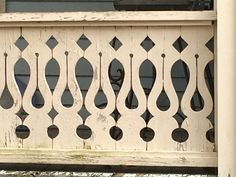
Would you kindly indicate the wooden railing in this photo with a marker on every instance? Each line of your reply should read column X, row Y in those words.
column 121, row 36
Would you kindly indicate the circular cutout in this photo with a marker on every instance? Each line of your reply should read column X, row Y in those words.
column 147, row 134
column 180, row 135
column 84, row 131
column 53, row 131
column 116, row 133
column 22, row 131
column 210, row 135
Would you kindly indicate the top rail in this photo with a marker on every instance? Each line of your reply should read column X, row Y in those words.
column 131, row 18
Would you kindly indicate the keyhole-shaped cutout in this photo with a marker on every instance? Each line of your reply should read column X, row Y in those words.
column 6, row 99
column 197, row 102
column 37, row 98
column 163, row 102
column 67, row 99
column 131, row 101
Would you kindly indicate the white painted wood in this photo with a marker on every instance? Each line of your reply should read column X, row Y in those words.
column 196, row 122
column 163, row 140
column 110, row 16
column 38, row 120
column 100, row 54
column 105, row 24
column 131, row 121
column 67, row 120
column 100, row 121
column 9, row 121
column 226, row 97
column 89, row 157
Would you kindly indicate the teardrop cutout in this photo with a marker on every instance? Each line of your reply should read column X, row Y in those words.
column 147, row 75
column 116, row 75
column 163, row 102
column 6, row 100
column 52, row 73
column 100, row 100
column 197, row 102
column 131, row 101
column 67, row 99
column 22, row 74
column 37, row 99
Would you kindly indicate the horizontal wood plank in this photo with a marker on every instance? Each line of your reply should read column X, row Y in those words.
column 150, row 18
column 85, row 157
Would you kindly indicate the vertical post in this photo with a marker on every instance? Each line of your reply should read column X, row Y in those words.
column 226, row 87
column 2, row 6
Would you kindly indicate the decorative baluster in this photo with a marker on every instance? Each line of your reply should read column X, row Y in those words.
column 197, row 57
column 163, row 57
column 37, row 55
column 131, row 55
column 67, row 54
column 100, row 120
column 11, row 100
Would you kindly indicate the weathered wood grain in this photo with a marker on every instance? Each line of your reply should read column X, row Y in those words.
column 162, row 18
column 89, row 157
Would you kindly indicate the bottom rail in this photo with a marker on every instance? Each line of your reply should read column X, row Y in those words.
column 115, row 158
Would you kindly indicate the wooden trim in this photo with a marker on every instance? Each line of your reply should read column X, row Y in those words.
column 97, row 23
column 151, row 18
column 226, row 87
column 83, row 157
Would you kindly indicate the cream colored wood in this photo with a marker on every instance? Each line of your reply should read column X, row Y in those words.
column 9, row 121
column 67, row 120
column 38, row 120
column 215, row 106
column 226, row 96
column 105, row 24
column 100, row 54
column 110, row 16
column 196, row 122
column 163, row 140
column 90, row 157
column 131, row 121
column 100, row 120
